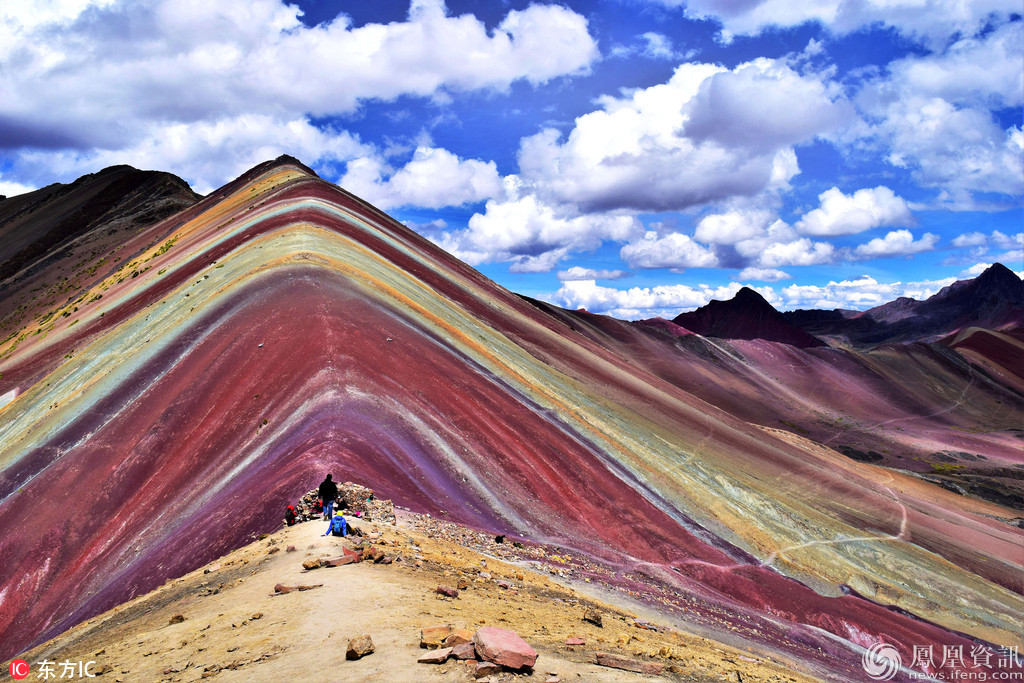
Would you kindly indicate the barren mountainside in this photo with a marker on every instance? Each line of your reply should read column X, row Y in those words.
column 225, row 357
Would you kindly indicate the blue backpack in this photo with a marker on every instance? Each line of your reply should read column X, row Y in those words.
column 338, row 526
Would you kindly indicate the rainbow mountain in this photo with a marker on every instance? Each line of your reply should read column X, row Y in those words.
column 172, row 379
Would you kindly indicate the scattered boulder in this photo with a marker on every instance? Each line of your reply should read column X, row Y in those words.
column 464, row 651
column 290, row 549
column 503, row 584
column 433, row 636
column 484, row 669
column 311, row 563
column 575, row 641
column 594, row 617
column 618, row 662
column 447, row 591
column 458, row 637
column 339, row 561
column 359, row 647
column 439, row 656
column 177, row 618
column 463, row 584
column 503, row 647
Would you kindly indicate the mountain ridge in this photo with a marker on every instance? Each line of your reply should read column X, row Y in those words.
column 169, row 381
column 994, row 299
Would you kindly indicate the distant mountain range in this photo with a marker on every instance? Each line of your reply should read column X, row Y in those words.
column 993, row 300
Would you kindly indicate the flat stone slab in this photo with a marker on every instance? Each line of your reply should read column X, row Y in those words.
column 504, row 647
column 618, row 662
column 433, row 636
column 439, row 656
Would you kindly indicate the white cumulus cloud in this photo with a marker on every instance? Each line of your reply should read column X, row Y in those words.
column 733, row 226
column 209, row 153
column 98, row 77
column 431, row 179
column 532, row 235
column 931, row 21
column 858, row 294
column 896, row 243
column 763, row 274
column 581, row 273
column 674, row 250
column 693, row 140
column 841, row 214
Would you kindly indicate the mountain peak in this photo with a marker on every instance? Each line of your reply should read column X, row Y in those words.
column 998, row 274
column 749, row 296
column 748, row 315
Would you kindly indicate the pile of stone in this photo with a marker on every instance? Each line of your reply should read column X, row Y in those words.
column 359, row 499
column 306, row 508
column 488, row 651
column 354, row 500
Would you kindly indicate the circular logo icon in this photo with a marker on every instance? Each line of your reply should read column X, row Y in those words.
column 881, row 661
column 19, row 668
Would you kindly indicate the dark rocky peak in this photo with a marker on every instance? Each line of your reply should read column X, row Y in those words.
column 1000, row 279
column 748, row 297
column 748, row 315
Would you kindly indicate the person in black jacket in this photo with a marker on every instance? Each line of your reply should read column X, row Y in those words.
column 328, row 493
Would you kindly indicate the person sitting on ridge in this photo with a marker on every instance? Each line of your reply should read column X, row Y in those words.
column 328, row 493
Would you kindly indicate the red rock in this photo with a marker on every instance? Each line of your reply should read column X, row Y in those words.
column 433, row 636
column 503, row 647
column 575, row 641
column 359, row 647
column 464, row 651
column 626, row 664
column 439, row 656
column 458, row 637
column 504, row 584
column 281, row 589
column 356, row 557
column 486, row 669
column 290, row 549
column 339, row 561
column 447, row 590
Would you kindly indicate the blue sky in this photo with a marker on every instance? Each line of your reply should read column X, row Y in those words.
column 633, row 157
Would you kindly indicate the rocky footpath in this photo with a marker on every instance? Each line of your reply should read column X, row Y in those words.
column 421, row 599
